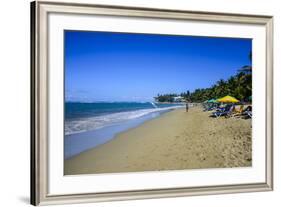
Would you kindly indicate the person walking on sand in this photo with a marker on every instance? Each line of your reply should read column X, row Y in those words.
column 186, row 106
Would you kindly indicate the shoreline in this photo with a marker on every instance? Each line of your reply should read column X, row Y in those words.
column 77, row 143
column 175, row 140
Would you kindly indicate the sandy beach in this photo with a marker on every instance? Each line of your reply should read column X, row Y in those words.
column 174, row 141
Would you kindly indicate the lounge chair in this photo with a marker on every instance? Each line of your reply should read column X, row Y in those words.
column 210, row 108
column 248, row 112
column 224, row 112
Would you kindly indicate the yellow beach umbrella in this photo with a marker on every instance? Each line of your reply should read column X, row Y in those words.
column 228, row 99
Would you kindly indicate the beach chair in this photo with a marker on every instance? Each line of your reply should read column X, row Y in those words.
column 248, row 112
column 222, row 109
column 225, row 112
column 210, row 108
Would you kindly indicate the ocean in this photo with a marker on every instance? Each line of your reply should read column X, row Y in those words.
column 88, row 125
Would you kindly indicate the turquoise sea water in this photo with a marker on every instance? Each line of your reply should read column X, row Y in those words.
column 88, row 125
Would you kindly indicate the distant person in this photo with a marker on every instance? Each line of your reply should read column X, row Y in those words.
column 186, row 107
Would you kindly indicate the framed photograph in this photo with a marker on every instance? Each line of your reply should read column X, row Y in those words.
column 134, row 103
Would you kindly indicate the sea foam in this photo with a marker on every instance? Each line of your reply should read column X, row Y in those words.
column 97, row 122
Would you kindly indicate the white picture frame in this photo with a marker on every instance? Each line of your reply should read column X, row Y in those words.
column 49, row 186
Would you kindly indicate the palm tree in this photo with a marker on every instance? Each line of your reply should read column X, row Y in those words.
column 247, row 69
column 239, row 86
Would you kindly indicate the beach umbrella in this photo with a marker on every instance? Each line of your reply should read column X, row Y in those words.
column 228, row 99
column 212, row 101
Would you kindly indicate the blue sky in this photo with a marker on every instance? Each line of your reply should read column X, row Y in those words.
column 106, row 66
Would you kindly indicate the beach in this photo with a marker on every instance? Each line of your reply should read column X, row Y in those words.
column 176, row 140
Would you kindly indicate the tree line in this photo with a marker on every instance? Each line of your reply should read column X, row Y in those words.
column 238, row 86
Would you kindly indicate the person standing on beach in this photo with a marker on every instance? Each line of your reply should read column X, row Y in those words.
column 186, row 107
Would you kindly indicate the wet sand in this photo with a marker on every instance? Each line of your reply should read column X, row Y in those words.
column 174, row 141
